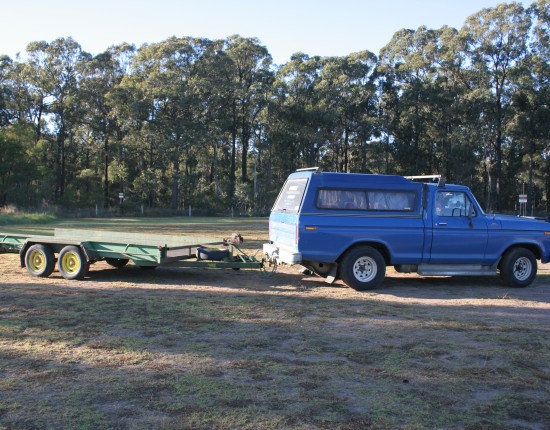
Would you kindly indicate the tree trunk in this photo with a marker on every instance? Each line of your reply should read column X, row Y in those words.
column 215, row 171
column 346, row 145
column 60, row 180
column 548, row 188
column 106, row 172
column 175, row 183
column 233, row 153
column 245, row 136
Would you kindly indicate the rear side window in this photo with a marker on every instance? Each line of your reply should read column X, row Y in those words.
column 342, row 199
column 291, row 196
column 371, row 200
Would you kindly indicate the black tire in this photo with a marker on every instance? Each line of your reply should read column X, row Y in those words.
column 117, row 262
column 363, row 268
column 40, row 260
column 212, row 254
column 518, row 267
column 148, row 267
column 72, row 263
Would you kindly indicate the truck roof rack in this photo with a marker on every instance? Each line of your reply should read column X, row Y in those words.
column 440, row 180
column 310, row 169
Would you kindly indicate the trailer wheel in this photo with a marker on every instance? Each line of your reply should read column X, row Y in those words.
column 518, row 267
column 363, row 268
column 71, row 263
column 40, row 260
column 117, row 262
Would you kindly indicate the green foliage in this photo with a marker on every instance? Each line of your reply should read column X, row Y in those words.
column 214, row 125
column 17, row 169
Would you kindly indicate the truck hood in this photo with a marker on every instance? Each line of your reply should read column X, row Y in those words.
column 510, row 222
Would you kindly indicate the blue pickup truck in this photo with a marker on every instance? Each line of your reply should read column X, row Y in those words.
column 352, row 226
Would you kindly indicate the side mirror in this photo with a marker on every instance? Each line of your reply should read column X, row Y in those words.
column 471, row 215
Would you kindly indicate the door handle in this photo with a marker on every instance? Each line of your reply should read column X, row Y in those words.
column 441, row 223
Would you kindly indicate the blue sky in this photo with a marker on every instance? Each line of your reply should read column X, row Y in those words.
column 316, row 27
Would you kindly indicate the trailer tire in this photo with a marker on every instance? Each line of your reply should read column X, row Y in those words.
column 40, row 260
column 119, row 263
column 518, row 267
column 363, row 268
column 72, row 264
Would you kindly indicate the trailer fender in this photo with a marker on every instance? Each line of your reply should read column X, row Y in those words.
column 90, row 255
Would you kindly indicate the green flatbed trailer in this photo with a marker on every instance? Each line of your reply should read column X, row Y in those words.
column 76, row 249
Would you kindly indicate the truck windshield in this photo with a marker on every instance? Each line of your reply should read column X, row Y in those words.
column 291, row 195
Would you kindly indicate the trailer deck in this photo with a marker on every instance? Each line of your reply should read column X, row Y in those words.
column 76, row 249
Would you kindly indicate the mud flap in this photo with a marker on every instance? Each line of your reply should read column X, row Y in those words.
column 331, row 277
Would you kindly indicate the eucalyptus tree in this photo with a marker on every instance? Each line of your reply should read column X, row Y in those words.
column 25, row 105
column 298, row 126
column 101, row 77
column 5, row 90
column 55, row 68
column 456, row 134
column 496, row 41
column 214, row 91
column 531, row 125
column 17, row 165
column 161, row 98
column 25, row 98
column 348, row 96
column 411, row 100
column 250, row 76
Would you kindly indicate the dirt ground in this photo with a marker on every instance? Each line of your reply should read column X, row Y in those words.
column 196, row 348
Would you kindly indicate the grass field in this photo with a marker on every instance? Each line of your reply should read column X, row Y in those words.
column 7, row 219
column 219, row 349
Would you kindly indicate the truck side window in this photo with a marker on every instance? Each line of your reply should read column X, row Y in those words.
column 391, row 200
column 452, row 203
column 402, row 201
column 341, row 199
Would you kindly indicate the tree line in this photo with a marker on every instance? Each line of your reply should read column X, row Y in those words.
column 214, row 124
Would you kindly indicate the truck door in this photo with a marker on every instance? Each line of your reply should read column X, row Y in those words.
column 459, row 232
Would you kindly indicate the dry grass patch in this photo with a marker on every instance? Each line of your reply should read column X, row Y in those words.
column 224, row 349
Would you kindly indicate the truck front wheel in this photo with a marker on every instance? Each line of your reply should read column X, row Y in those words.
column 518, row 267
column 363, row 268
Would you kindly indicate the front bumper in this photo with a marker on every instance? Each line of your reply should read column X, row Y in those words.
column 278, row 254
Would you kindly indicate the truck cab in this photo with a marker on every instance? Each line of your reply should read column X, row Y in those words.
column 352, row 226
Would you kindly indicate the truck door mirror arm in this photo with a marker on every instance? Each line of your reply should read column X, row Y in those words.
column 471, row 215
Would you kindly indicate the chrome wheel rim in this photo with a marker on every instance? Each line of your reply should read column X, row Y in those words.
column 365, row 269
column 522, row 268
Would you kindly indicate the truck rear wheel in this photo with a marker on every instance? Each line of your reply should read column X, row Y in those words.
column 518, row 267
column 71, row 263
column 363, row 268
column 40, row 260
